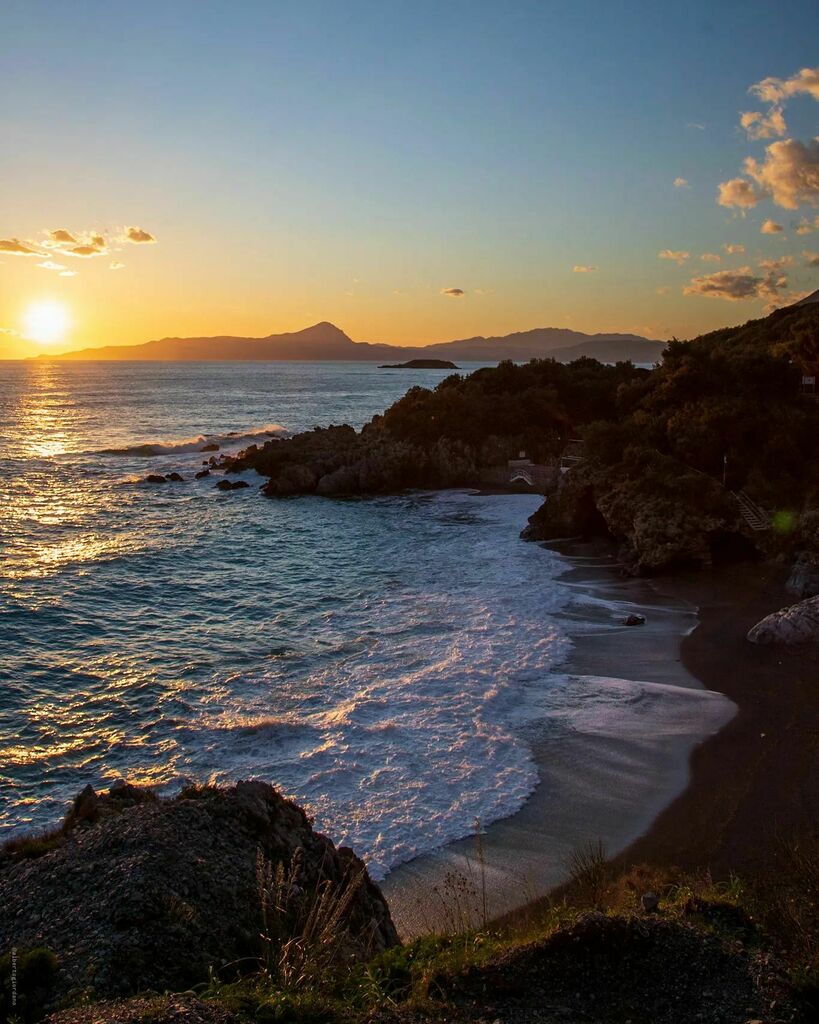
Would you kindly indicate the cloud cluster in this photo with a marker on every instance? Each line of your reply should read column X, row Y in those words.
column 677, row 256
column 78, row 244
column 811, row 258
column 711, row 257
column 453, row 293
column 776, row 92
column 770, row 227
column 789, row 173
column 736, row 285
column 583, row 268
column 806, row 225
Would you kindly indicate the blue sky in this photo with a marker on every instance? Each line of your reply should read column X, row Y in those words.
column 349, row 162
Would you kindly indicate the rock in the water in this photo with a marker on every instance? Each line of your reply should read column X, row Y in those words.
column 140, row 893
column 202, row 473
column 155, row 478
column 232, row 485
column 804, row 578
column 633, row 619
column 176, row 477
column 797, row 624
column 209, row 448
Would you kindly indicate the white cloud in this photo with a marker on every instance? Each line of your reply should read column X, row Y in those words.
column 737, row 192
column 681, row 183
column 770, row 227
column 677, row 256
column 775, row 264
column 583, row 268
column 51, row 265
column 116, row 265
column 711, row 257
column 777, row 90
column 811, row 258
column 733, row 250
column 789, row 172
column 68, row 273
column 763, row 126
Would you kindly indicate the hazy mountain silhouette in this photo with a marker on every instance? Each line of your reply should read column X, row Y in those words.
column 325, row 341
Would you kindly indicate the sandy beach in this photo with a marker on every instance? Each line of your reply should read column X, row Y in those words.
column 607, row 779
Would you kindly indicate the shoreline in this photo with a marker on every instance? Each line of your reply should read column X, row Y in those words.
column 757, row 780
column 637, row 713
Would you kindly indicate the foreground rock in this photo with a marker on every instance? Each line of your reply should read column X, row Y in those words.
column 798, row 624
column 605, row 970
column 177, row 1009
column 142, row 894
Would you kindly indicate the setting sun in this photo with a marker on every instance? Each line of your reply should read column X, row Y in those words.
column 46, row 321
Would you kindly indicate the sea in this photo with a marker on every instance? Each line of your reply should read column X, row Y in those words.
column 369, row 657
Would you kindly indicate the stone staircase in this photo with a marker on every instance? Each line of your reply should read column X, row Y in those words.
column 757, row 518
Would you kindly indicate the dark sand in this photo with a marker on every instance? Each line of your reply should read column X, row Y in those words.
column 758, row 778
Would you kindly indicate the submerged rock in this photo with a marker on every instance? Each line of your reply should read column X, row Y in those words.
column 176, row 477
column 797, row 624
column 155, row 478
column 209, row 448
column 202, row 473
column 139, row 893
column 634, row 620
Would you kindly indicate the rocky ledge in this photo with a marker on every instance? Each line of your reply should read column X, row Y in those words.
column 138, row 893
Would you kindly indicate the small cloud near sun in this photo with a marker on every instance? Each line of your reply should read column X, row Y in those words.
column 68, row 273
column 681, row 183
column 677, row 256
column 116, row 265
column 62, row 236
column 453, row 293
column 583, row 268
column 15, row 247
column 51, row 265
column 138, row 235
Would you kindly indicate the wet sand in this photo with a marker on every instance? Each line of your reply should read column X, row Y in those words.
column 605, row 776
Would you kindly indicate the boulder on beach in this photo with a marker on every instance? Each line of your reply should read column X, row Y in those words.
column 137, row 893
column 797, row 624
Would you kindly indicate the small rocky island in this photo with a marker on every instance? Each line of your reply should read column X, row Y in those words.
column 421, row 364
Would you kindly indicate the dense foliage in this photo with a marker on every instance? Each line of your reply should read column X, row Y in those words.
column 538, row 404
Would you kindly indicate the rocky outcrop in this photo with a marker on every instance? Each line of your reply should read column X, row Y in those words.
column 139, row 893
column 662, row 513
column 341, row 461
column 798, row 624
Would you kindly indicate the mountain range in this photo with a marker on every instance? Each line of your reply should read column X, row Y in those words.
column 325, row 341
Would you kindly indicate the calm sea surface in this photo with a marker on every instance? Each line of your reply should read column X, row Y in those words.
column 365, row 656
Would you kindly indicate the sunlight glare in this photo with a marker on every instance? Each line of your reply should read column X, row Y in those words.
column 46, row 321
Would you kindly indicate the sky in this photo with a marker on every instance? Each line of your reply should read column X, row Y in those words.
column 410, row 171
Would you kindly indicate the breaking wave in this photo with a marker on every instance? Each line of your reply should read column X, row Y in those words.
column 231, row 439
